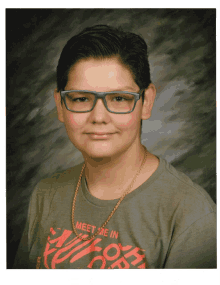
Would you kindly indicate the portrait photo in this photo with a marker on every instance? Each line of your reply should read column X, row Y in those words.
column 111, row 138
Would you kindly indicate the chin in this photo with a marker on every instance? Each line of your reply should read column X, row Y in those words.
column 100, row 151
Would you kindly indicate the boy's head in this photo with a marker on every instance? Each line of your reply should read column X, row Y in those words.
column 102, row 42
column 104, row 60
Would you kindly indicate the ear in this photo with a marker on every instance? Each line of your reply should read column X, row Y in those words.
column 57, row 99
column 149, row 97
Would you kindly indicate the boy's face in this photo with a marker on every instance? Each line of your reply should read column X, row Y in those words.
column 99, row 133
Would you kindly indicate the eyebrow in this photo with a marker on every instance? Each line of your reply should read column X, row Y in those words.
column 126, row 88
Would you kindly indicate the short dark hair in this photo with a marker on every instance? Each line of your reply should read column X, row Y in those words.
column 100, row 42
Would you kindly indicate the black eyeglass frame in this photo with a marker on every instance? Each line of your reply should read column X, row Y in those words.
column 102, row 95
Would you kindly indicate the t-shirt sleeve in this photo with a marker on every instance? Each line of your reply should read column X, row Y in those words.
column 39, row 208
column 195, row 247
column 22, row 256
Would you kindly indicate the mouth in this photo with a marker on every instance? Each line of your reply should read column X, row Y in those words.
column 100, row 136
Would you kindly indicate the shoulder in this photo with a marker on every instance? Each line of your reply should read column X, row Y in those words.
column 189, row 201
column 59, row 181
column 53, row 191
column 176, row 183
column 191, row 189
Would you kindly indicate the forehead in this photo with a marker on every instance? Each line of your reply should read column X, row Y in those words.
column 100, row 75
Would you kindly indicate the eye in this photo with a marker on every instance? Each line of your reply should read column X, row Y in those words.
column 119, row 98
column 76, row 98
column 80, row 99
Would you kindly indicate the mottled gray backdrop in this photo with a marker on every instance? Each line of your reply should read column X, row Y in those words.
column 182, row 129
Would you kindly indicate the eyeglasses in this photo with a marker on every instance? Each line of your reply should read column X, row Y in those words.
column 83, row 101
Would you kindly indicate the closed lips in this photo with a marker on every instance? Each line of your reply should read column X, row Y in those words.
column 100, row 133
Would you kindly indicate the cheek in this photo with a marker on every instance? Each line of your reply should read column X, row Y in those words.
column 74, row 121
column 129, row 121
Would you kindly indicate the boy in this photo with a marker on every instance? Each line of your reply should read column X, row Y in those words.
column 123, row 207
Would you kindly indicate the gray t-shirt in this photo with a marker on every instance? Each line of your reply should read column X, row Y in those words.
column 167, row 222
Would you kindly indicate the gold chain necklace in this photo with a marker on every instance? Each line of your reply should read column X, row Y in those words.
column 116, row 206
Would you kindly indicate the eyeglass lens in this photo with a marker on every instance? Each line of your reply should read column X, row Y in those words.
column 83, row 101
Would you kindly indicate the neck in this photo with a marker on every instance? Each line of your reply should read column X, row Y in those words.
column 108, row 178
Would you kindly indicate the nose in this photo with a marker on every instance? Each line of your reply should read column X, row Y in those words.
column 99, row 114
